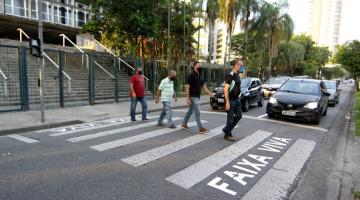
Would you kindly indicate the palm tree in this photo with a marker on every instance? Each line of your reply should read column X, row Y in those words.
column 212, row 13
column 276, row 25
column 228, row 14
column 246, row 8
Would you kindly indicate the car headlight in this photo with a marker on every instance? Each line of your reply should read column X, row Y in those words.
column 312, row 105
column 272, row 100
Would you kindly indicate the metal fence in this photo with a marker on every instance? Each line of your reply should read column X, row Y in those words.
column 73, row 79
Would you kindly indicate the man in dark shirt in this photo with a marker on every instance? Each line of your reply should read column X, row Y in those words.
column 232, row 92
column 195, row 81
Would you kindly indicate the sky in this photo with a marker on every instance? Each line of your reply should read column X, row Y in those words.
column 349, row 28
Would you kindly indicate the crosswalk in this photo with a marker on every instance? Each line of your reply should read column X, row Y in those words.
column 277, row 179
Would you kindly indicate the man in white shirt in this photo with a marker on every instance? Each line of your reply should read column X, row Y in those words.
column 166, row 89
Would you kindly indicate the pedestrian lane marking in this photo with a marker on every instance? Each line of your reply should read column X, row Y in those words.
column 23, row 138
column 115, row 131
column 266, row 120
column 137, row 138
column 282, row 175
column 93, row 126
column 204, row 168
column 262, row 116
column 156, row 153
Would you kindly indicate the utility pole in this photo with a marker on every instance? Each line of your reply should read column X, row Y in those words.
column 169, row 29
column 184, row 45
column 41, row 61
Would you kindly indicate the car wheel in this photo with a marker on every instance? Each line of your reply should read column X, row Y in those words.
column 246, row 105
column 260, row 103
column 270, row 115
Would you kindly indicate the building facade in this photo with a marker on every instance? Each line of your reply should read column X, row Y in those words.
column 59, row 16
column 324, row 22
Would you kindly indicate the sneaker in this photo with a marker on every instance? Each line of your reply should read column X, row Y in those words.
column 230, row 138
column 172, row 126
column 133, row 120
column 185, row 127
column 203, row 130
column 146, row 119
column 159, row 124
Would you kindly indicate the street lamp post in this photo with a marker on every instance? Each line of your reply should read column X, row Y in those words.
column 169, row 39
column 184, row 44
column 42, row 61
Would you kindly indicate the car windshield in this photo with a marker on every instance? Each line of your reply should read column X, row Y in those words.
column 302, row 87
column 276, row 80
column 330, row 85
column 245, row 82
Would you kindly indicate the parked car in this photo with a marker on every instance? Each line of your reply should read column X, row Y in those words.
column 272, row 85
column 302, row 99
column 250, row 94
column 333, row 88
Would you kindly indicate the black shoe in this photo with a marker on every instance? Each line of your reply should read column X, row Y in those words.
column 133, row 120
column 146, row 119
column 172, row 126
column 159, row 124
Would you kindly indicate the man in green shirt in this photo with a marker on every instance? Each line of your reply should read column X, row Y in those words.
column 166, row 89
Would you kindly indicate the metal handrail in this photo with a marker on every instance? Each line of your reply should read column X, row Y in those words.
column 6, row 91
column 121, row 60
column 106, row 71
column 77, row 47
column 22, row 32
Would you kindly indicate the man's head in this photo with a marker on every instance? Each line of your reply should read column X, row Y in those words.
column 196, row 65
column 236, row 64
column 172, row 75
column 139, row 71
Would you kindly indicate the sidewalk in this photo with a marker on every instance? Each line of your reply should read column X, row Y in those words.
column 18, row 122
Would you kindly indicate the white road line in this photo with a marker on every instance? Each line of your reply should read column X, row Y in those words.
column 23, row 138
column 267, row 120
column 115, row 131
column 276, row 182
column 96, row 127
column 154, row 154
column 138, row 138
column 262, row 116
column 204, row 168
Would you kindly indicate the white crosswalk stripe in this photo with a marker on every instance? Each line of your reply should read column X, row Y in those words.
column 94, row 126
column 138, row 138
column 115, row 131
column 23, row 138
column 282, row 175
column 154, row 154
column 204, row 168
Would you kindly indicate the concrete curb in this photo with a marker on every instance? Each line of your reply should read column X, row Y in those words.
column 67, row 123
column 39, row 127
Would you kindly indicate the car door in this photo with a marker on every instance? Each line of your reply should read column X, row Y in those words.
column 253, row 91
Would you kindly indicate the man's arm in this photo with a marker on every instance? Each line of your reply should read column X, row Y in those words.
column 226, row 94
column 174, row 96
column 133, row 94
column 207, row 90
column 157, row 96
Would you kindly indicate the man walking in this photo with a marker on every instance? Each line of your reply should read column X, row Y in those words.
column 195, row 81
column 232, row 92
column 137, row 93
column 166, row 89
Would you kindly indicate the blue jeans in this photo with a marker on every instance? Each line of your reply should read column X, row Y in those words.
column 166, row 111
column 233, row 116
column 133, row 107
column 194, row 106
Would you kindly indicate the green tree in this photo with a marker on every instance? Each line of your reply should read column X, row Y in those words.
column 333, row 72
column 318, row 57
column 212, row 14
column 276, row 25
column 348, row 55
column 290, row 55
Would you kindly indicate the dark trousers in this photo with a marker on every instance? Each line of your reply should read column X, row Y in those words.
column 233, row 116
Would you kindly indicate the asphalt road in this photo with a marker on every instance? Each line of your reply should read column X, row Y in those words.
column 119, row 159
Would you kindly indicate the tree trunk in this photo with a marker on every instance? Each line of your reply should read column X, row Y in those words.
column 357, row 83
column 210, row 44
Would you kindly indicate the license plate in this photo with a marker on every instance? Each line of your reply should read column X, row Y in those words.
column 288, row 112
column 221, row 100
